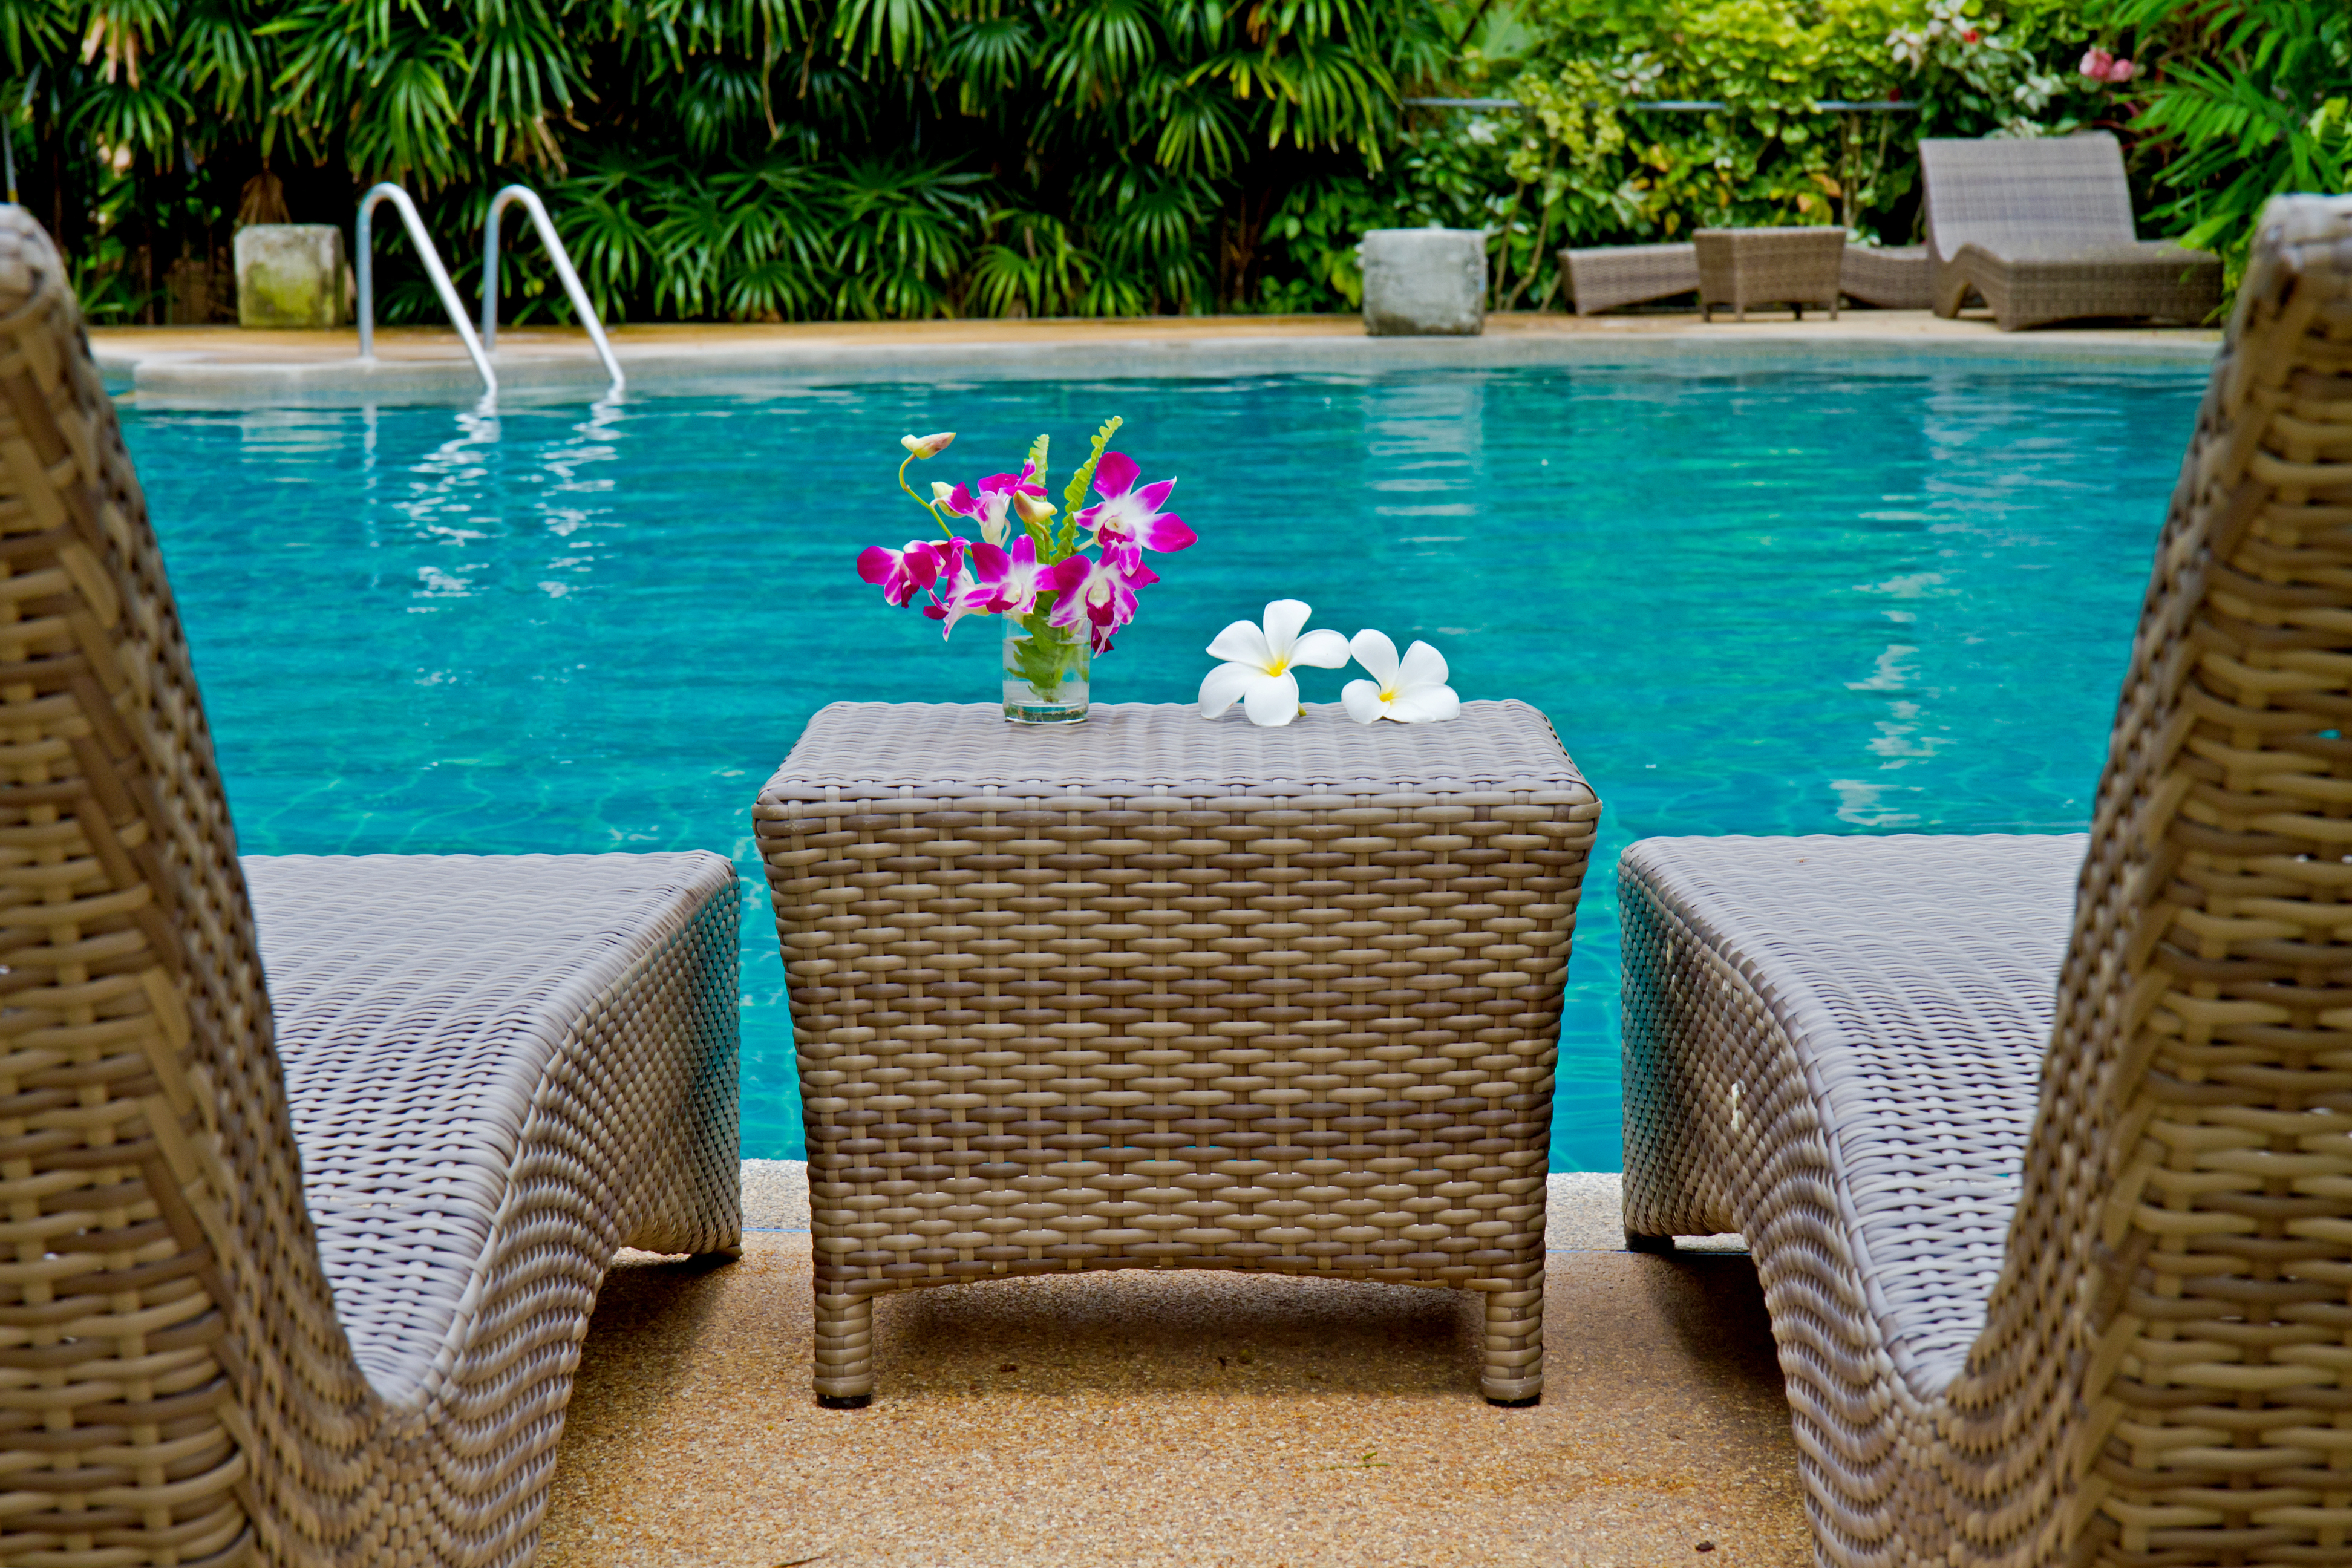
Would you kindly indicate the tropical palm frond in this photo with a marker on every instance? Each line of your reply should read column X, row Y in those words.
column 715, row 98
column 1102, row 46
column 1031, row 268
column 897, row 30
column 611, row 249
column 2249, row 98
column 695, row 244
column 986, row 58
column 775, row 288
column 120, row 116
column 523, row 70
column 217, row 60
column 35, row 30
column 1200, row 131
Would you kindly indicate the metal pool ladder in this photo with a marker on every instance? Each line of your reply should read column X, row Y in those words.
column 388, row 192
column 530, row 202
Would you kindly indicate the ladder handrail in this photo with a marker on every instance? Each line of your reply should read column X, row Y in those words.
column 553, row 241
column 388, row 192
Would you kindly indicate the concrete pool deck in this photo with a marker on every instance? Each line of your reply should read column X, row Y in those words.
column 196, row 366
column 1179, row 1418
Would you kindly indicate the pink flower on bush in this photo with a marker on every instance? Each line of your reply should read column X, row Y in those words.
column 1971, row 35
column 2100, row 66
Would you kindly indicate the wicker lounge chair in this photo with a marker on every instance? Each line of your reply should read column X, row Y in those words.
column 307, row 1290
column 1894, row 277
column 1606, row 276
column 2041, row 227
column 2065, row 1285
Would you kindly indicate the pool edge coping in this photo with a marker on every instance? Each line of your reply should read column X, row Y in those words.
column 167, row 377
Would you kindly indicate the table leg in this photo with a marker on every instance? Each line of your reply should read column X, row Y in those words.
column 1514, row 1370
column 844, row 1351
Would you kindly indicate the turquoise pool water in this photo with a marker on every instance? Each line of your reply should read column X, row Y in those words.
column 1756, row 595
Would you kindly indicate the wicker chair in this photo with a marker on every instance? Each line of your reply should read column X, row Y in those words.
column 1894, row 278
column 305, row 1288
column 1605, row 276
column 2041, row 227
column 2065, row 1285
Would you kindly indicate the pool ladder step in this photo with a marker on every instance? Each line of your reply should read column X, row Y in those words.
column 527, row 199
column 477, row 347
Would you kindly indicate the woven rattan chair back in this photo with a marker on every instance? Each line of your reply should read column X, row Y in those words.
column 2028, row 192
column 338, row 1325
column 2165, row 1372
column 160, row 1246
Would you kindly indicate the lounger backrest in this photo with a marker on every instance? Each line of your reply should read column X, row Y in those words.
column 161, row 1305
column 2170, row 1323
column 2010, row 191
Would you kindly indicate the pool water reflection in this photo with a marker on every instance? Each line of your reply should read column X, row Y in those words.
column 1759, row 594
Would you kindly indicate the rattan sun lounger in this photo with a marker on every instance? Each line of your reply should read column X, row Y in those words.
column 2041, row 227
column 1894, row 278
column 1605, row 276
column 2050, row 1196
column 296, row 1271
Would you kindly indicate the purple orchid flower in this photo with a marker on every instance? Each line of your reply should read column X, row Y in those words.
column 901, row 573
column 1102, row 596
column 1128, row 521
column 1004, row 583
column 991, row 506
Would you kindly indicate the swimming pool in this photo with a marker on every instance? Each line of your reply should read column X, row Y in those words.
column 1757, row 593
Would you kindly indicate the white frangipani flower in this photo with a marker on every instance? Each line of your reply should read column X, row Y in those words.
column 1258, row 662
column 1410, row 690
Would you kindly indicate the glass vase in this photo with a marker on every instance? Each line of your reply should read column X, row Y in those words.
column 1047, row 669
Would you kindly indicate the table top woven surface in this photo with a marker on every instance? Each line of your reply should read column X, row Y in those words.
column 1917, row 977
column 417, row 1000
column 1494, row 745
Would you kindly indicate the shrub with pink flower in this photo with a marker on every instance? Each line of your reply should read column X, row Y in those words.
column 2100, row 66
column 1056, row 579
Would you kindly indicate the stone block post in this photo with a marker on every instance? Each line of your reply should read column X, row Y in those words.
column 1424, row 280
column 290, row 275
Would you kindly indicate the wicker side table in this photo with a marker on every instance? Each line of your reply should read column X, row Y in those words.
column 1792, row 266
column 1152, row 992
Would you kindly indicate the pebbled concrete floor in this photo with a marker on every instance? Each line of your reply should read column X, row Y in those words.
column 1174, row 1418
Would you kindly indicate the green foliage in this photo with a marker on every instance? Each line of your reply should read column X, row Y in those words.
column 735, row 159
column 1034, row 269
column 1074, row 495
column 2245, row 98
column 1580, row 165
column 783, row 160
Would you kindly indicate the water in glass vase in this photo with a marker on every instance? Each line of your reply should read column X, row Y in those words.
column 1045, row 675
